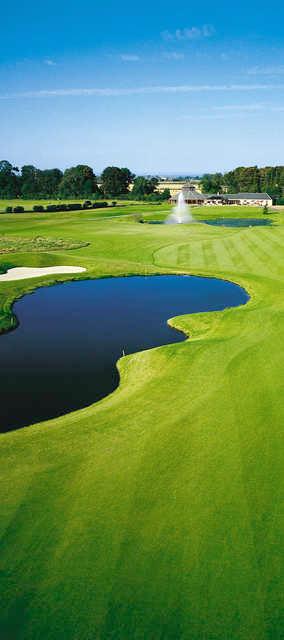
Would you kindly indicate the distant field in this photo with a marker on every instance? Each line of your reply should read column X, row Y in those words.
column 29, row 204
column 122, row 208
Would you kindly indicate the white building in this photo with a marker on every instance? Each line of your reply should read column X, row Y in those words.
column 252, row 199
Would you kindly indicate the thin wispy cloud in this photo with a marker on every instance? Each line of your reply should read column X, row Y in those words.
column 248, row 108
column 232, row 111
column 208, row 116
column 272, row 70
column 189, row 33
column 49, row 62
column 148, row 90
column 129, row 57
column 240, row 107
column 174, row 55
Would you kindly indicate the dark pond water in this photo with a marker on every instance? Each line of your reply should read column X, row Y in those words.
column 63, row 354
column 238, row 222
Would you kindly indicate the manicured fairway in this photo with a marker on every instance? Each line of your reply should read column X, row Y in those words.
column 158, row 512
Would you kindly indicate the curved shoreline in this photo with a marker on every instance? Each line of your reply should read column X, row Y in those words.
column 172, row 305
column 33, row 287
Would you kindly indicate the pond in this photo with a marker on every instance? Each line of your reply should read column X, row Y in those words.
column 238, row 222
column 63, row 354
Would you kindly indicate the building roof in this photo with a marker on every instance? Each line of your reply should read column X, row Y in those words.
column 247, row 196
column 191, row 194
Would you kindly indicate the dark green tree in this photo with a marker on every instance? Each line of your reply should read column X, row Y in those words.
column 165, row 195
column 30, row 181
column 143, row 187
column 272, row 181
column 212, row 183
column 9, row 180
column 116, row 181
column 49, row 180
column 78, row 181
column 242, row 179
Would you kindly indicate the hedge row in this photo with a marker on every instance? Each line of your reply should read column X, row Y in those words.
column 72, row 206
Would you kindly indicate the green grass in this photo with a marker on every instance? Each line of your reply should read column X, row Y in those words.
column 29, row 204
column 156, row 513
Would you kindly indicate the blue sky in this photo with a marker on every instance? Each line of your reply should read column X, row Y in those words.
column 160, row 87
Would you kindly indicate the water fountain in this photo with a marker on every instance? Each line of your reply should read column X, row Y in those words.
column 181, row 213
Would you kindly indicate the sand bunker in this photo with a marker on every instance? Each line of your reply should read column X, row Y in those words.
column 21, row 273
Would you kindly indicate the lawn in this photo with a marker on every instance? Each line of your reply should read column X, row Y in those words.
column 156, row 513
column 29, row 204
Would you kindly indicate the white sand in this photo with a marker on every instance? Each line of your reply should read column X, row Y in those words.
column 21, row 273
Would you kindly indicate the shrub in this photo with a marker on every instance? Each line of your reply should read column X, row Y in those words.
column 5, row 266
column 155, row 197
column 38, row 208
column 87, row 204
column 100, row 205
column 18, row 210
column 113, row 204
column 76, row 206
column 52, row 207
column 9, row 209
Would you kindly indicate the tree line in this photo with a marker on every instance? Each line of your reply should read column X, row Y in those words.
column 81, row 182
column 246, row 179
column 75, row 182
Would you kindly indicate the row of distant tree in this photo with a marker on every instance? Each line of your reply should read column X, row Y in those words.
column 246, row 179
column 114, row 182
column 76, row 182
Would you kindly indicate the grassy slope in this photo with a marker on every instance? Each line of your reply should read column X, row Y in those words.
column 156, row 513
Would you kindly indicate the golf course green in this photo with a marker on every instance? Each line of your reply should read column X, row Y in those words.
column 156, row 513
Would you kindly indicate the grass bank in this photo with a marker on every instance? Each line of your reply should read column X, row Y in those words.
column 158, row 512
